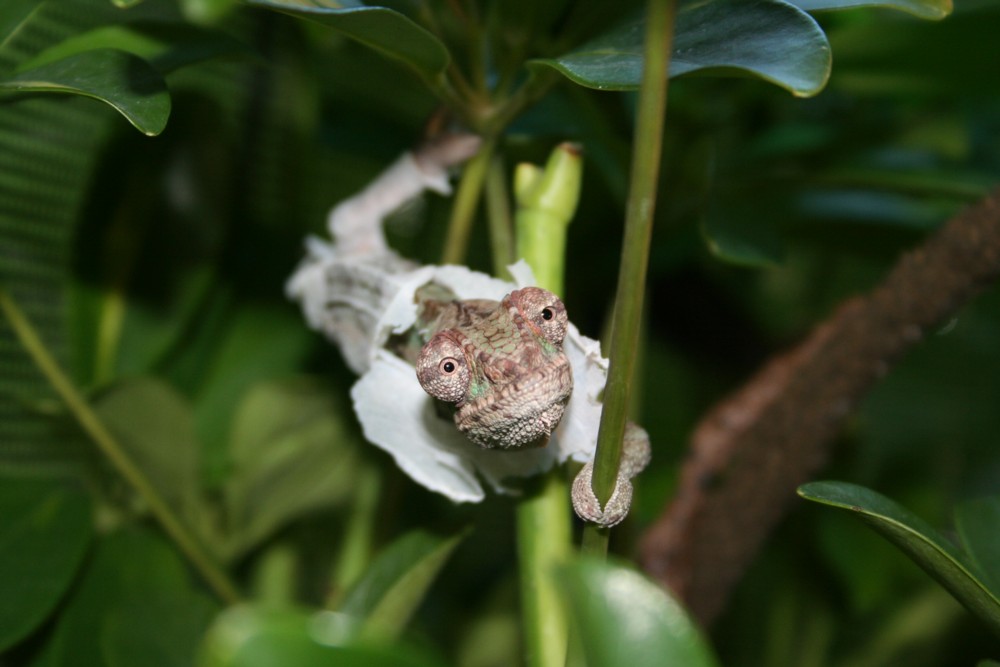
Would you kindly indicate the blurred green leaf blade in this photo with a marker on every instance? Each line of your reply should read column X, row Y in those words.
column 622, row 618
column 155, row 426
column 166, row 46
column 164, row 630
column 259, row 636
column 927, row 9
column 770, row 40
column 385, row 30
column 290, row 453
column 45, row 528
column 396, row 582
column 978, row 524
column 126, row 83
column 127, row 567
column 918, row 540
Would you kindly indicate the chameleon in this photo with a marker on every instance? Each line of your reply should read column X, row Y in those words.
column 495, row 367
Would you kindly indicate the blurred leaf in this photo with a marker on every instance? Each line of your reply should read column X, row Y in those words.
column 126, row 83
column 264, row 637
column 45, row 528
column 128, row 566
column 978, row 524
column 735, row 235
column 165, row 46
column 206, row 11
column 160, row 631
column 928, row 9
column 395, row 584
column 914, row 59
column 290, row 453
column 125, row 4
column 385, row 30
column 622, row 618
column 767, row 39
column 912, row 535
column 155, row 426
column 251, row 345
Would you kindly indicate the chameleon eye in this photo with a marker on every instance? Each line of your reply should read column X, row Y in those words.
column 543, row 309
column 442, row 369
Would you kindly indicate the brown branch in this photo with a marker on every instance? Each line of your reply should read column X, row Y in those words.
column 752, row 450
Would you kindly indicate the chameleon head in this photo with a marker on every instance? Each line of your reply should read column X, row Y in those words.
column 503, row 365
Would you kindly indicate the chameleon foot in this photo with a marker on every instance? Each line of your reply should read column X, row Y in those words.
column 635, row 457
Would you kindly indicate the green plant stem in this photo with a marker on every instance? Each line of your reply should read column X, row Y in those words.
column 500, row 219
column 646, row 151
column 206, row 566
column 544, row 531
column 544, row 535
column 466, row 202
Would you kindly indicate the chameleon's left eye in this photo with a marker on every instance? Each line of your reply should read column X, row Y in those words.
column 543, row 309
column 442, row 369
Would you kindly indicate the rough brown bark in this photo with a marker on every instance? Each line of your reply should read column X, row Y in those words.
column 752, row 450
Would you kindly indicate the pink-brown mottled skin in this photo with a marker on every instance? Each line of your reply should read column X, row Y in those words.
column 500, row 363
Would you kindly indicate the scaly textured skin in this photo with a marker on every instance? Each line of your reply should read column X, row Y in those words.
column 500, row 363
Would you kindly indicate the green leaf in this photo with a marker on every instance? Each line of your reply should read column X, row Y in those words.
column 45, row 527
column 164, row 630
column 393, row 587
column 206, row 11
column 155, row 426
column 291, row 453
column 125, row 4
column 622, row 618
column 257, row 636
column 768, row 39
column 734, row 235
column 927, row 9
column 127, row 567
column 125, row 82
column 978, row 524
column 385, row 30
column 165, row 46
column 918, row 540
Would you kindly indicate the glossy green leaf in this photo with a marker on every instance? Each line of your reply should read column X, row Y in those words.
column 45, row 527
column 394, row 586
column 923, row 544
column 622, row 618
column 126, row 83
column 165, row 46
column 769, row 39
column 257, row 636
column 155, row 426
column 125, row 4
column 385, row 30
column 927, row 9
column 978, row 524
column 291, row 452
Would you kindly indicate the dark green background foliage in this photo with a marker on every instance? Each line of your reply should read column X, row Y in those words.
column 152, row 267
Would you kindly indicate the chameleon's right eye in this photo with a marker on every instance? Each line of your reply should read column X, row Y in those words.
column 442, row 369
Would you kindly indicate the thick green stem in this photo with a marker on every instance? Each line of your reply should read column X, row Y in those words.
column 470, row 188
column 544, row 536
column 646, row 150
column 546, row 202
column 202, row 562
